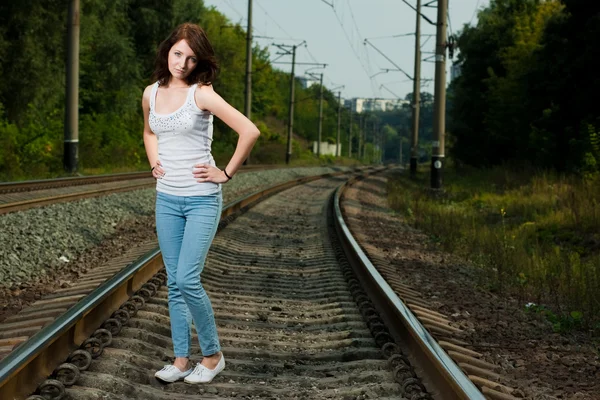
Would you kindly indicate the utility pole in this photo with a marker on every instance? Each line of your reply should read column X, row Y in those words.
column 320, row 115
column 377, row 139
column 439, row 103
column 71, row 135
column 285, row 48
column 360, row 135
column 248, row 102
column 288, row 155
column 400, row 161
column 350, row 134
column 365, row 137
column 382, row 142
column 338, row 144
column 414, row 148
column 376, row 149
column 375, row 145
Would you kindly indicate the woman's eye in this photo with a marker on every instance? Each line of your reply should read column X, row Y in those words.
column 177, row 53
column 194, row 60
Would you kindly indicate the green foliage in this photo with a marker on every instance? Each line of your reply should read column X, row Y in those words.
column 561, row 323
column 527, row 90
column 118, row 41
column 530, row 233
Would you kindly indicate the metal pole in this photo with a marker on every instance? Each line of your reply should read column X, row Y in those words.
column 439, row 103
column 400, row 161
column 375, row 145
column 338, row 149
column 379, row 145
column 320, row 116
column 248, row 100
column 382, row 134
column 365, row 137
column 377, row 137
column 288, row 155
column 350, row 134
column 414, row 147
column 71, row 140
column 360, row 136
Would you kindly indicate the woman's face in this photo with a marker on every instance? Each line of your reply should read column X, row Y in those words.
column 182, row 60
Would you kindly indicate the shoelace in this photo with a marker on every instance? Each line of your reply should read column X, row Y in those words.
column 170, row 368
column 198, row 369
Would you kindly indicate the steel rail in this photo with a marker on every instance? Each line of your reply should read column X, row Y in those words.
column 33, row 186
column 446, row 379
column 39, row 184
column 8, row 187
column 34, row 360
column 61, row 198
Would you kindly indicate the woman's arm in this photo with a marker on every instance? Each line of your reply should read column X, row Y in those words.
column 208, row 99
column 150, row 139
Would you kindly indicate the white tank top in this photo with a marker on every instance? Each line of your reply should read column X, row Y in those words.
column 184, row 139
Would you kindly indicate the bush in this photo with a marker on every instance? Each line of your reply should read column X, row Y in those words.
column 534, row 236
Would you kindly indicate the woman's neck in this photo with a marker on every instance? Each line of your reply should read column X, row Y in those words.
column 177, row 83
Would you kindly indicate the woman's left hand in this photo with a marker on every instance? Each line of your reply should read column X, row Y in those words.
column 208, row 173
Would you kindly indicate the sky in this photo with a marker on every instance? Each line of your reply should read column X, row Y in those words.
column 335, row 36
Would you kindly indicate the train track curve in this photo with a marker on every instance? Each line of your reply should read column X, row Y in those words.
column 294, row 320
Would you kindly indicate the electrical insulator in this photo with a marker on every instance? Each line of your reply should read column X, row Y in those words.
column 451, row 46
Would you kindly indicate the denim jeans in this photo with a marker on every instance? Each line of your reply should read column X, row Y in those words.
column 185, row 228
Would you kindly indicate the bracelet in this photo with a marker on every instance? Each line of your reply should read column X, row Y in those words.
column 152, row 169
column 226, row 174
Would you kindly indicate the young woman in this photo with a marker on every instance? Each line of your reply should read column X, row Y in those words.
column 178, row 128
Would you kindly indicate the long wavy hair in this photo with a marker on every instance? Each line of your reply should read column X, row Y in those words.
column 206, row 68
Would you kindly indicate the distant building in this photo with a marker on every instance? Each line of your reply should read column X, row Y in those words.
column 358, row 104
column 306, row 82
column 455, row 71
column 326, row 148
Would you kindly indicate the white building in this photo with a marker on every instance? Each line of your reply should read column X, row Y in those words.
column 326, row 148
column 358, row 104
column 306, row 82
column 455, row 71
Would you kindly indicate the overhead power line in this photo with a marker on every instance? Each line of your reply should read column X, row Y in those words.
column 273, row 19
column 420, row 13
column 449, row 21
column 387, row 58
column 234, row 9
column 474, row 12
column 357, row 56
column 426, row 40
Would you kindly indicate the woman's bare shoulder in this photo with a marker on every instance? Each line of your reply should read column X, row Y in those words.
column 204, row 95
column 203, row 89
column 146, row 95
column 147, row 91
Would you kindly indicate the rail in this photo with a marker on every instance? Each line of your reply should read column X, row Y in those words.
column 447, row 379
column 30, row 363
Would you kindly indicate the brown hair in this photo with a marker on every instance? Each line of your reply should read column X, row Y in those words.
column 206, row 68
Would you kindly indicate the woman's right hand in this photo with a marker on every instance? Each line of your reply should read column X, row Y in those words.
column 158, row 172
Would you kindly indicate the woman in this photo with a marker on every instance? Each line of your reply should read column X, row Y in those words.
column 178, row 127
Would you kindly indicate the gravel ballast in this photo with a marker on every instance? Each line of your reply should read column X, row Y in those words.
column 39, row 242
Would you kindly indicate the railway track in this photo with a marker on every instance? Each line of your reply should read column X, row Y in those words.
column 19, row 196
column 443, row 328
column 294, row 320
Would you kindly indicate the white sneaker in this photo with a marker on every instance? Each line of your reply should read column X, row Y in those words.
column 171, row 373
column 202, row 374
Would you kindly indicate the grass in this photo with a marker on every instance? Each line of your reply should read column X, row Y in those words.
column 534, row 235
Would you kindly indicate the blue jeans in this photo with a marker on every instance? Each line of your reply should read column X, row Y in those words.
column 185, row 228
